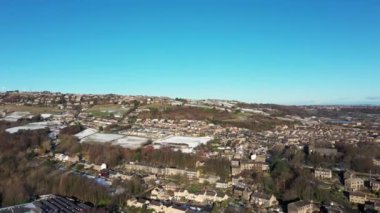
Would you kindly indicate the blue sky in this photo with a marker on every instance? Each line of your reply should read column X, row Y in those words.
column 266, row 51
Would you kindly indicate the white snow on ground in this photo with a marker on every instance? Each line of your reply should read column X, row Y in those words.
column 102, row 138
column 34, row 126
column 45, row 115
column 85, row 133
column 185, row 144
column 15, row 116
column 189, row 141
column 131, row 142
column 47, row 123
column 26, row 127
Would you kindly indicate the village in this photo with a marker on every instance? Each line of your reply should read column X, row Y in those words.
column 313, row 145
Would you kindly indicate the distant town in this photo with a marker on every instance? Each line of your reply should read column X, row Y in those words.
column 116, row 153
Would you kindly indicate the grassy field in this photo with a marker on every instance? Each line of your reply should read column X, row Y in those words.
column 107, row 110
column 35, row 110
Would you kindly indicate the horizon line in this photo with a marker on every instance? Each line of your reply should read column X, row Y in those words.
column 358, row 104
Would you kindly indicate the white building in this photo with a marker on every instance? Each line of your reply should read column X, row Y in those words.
column 181, row 143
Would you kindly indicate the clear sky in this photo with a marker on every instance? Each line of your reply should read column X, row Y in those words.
column 266, row 51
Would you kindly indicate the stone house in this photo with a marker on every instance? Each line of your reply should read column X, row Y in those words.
column 302, row 207
column 353, row 184
column 263, row 200
column 323, row 173
column 357, row 197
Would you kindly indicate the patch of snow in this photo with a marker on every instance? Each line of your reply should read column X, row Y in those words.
column 15, row 116
column 102, row 138
column 131, row 142
column 86, row 133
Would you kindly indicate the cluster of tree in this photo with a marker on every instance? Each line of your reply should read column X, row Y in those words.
column 166, row 157
column 115, row 128
column 218, row 166
column 186, row 112
column 134, row 186
column 115, row 155
column 23, row 176
column 359, row 157
column 72, row 129
column 289, row 180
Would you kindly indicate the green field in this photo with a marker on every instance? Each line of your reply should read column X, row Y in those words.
column 107, row 110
